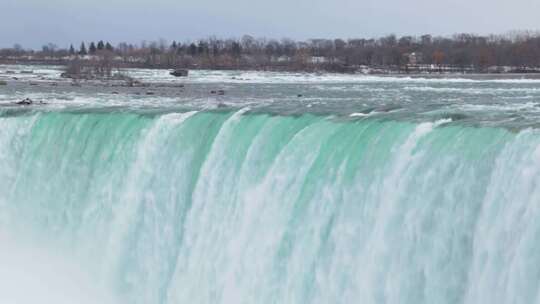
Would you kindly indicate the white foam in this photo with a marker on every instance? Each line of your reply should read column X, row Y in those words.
column 48, row 73
column 359, row 115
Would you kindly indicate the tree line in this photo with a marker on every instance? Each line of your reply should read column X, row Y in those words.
column 93, row 48
column 466, row 51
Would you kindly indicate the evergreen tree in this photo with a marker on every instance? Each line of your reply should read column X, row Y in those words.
column 83, row 51
column 200, row 48
column 109, row 47
column 101, row 45
column 174, row 46
column 71, row 50
column 92, row 49
column 236, row 49
column 180, row 49
column 192, row 49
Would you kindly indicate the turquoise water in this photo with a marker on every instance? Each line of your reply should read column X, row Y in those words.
column 363, row 189
column 240, row 206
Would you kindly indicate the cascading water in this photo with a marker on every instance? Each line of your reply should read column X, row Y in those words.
column 240, row 207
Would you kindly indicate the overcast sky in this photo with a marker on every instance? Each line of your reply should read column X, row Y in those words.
column 33, row 23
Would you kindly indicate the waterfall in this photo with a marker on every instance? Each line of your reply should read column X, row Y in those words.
column 241, row 207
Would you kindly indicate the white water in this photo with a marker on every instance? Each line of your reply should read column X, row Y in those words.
column 52, row 73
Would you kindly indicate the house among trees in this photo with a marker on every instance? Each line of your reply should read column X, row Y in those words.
column 318, row 59
column 415, row 58
column 282, row 58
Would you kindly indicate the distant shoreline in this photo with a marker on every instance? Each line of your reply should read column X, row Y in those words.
column 510, row 54
column 386, row 73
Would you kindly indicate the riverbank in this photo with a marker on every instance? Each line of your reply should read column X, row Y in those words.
column 404, row 71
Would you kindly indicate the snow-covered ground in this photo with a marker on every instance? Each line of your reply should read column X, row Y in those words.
column 52, row 73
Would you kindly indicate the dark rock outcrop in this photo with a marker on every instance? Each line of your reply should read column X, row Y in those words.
column 25, row 102
column 28, row 102
column 180, row 73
